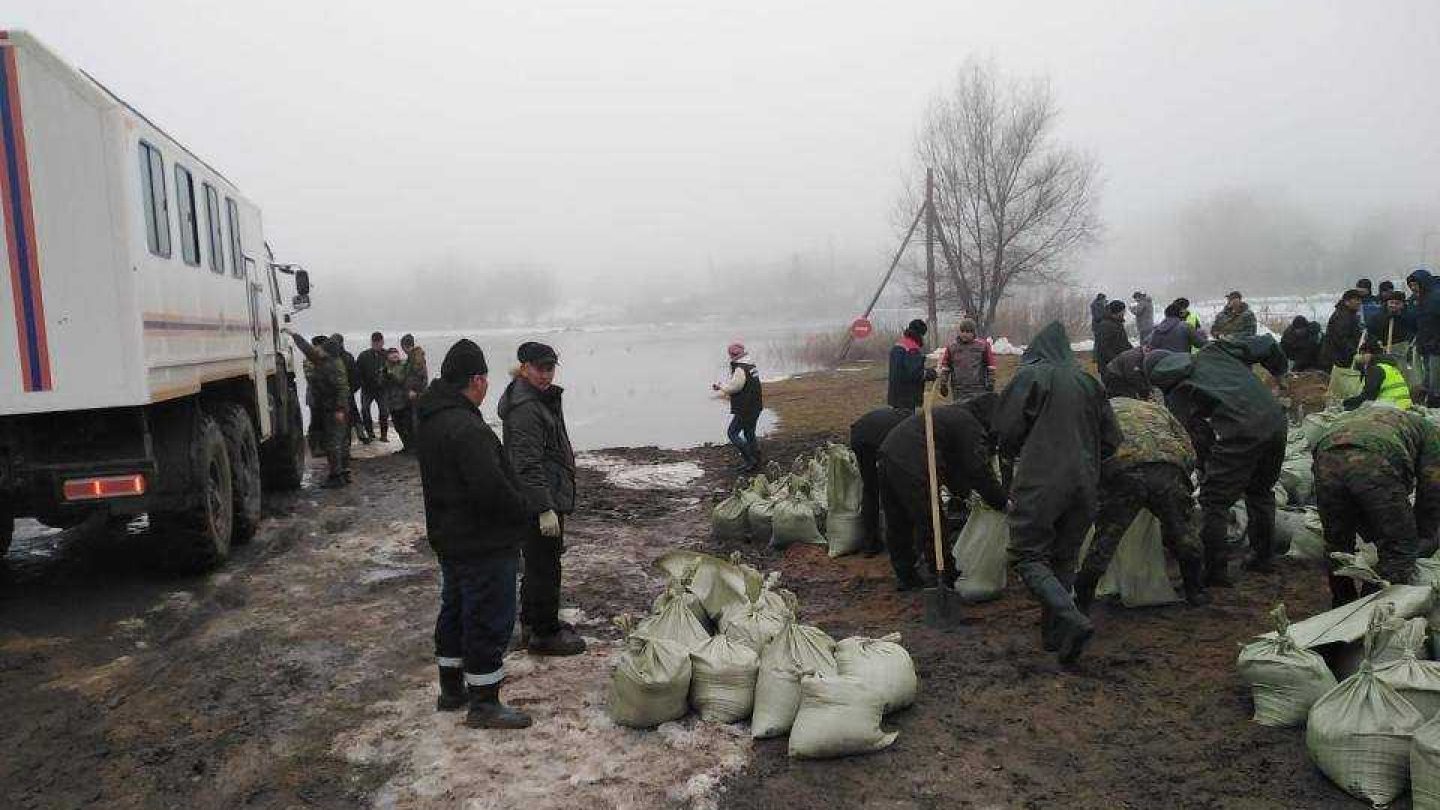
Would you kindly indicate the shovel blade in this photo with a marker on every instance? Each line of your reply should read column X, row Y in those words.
column 942, row 607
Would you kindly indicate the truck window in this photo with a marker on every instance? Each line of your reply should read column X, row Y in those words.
column 155, row 203
column 189, row 233
column 237, row 250
column 214, row 226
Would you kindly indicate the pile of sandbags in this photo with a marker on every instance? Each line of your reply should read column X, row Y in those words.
column 817, row 502
column 760, row 665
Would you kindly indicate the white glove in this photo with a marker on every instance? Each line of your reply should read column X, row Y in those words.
column 549, row 524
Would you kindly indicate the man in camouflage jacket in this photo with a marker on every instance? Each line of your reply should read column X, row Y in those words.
column 415, row 380
column 330, row 414
column 1151, row 470
column 1367, row 463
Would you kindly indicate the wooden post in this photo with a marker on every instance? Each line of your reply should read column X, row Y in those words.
column 932, row 319
column 895, row 262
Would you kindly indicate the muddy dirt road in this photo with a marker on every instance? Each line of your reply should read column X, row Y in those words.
column 301, row 674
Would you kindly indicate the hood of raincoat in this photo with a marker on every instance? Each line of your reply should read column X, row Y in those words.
column 1422, row 277
column 1052, row 345
column 1166, row 369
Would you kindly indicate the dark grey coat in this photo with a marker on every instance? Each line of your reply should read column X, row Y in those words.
column 538, row 445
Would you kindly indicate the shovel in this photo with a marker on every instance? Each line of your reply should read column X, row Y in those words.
column 942, row 603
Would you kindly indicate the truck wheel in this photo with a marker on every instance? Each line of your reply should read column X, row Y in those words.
column 244, row 452
column 282, row 458
column 7, row 528
column 198, row 539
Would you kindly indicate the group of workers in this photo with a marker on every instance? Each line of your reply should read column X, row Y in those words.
column 1060, row 451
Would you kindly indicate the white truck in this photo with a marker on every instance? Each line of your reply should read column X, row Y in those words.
column 144, row 370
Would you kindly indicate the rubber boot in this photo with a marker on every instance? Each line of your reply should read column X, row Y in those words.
column 385, row 430
column 1048, row 640
column 452, row 690
column 1071, row 627
column 1085, row 583
column 1217, row 569
column 1192, row 575
column 486, row 710
column 564, row 641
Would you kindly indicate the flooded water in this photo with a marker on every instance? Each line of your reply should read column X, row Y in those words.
column 631, row 387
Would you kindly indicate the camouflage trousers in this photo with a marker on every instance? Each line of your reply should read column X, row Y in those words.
column 1164, row 489
column 336, row 441
column 1358, row 491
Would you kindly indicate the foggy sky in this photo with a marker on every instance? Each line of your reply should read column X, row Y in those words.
column 643, row 141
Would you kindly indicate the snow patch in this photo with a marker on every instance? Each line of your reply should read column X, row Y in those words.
column 630, row 475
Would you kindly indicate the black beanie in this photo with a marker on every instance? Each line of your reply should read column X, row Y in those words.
column 1116, row 307
column 918, row 327
column 463, row 361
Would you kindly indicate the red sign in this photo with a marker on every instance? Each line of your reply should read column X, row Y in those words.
column 861, row 328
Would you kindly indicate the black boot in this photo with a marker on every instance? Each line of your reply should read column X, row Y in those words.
column 1048, row 640
column 452, row 690
column 1071, row 627
column 1085, row 584
column 1192, row 574
column 486, row 710
column 564, row 641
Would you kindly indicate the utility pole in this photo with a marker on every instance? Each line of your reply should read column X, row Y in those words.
column 931, row 315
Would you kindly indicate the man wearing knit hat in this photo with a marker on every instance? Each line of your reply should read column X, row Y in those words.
column 908, row 373
column 476, row 518
column 746, row 404
column 538, row 446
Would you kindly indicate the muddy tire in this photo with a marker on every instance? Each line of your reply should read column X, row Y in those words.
column 282, row 458
column 244, row 451
column 7, row 528
column 197, row 539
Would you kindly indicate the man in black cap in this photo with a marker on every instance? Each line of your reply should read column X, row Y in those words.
column 908, row 373
column 538, row 446
column 475, row 518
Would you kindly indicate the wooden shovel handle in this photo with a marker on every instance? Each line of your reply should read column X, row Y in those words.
column 929, row 404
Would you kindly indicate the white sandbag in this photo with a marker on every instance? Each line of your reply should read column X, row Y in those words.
column 650, row 684
column 674, row 623
column 1298, row 477
column 1350, row 622
column 1236, row 526
column 883, row 665
column 802, row 646
column 839, row 716
column 1316, row 425
column 730, row 519
column 761, row 518
column 1282, row 497
column 678, row 589
column 718, row 583
column 1425, row 767
column 1137, row 573
column 1359, row 734
column 1395, row 636
column 981, row 554
column 794, row 519
column 760, row 618
column 844, row 530
column 722, row 683
column 777, row 699
column 1285, row 681
column 1301, row 533
column 1418, row 681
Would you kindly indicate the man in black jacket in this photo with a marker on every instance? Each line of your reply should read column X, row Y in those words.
column 1301, row 344
column 371, row 364
column 1239, row 430
column 1342, row 333
column 1055, row 421
column 962, row 461
column 1110, row 337
column 866, row 435
column 538, row 446
column 908, row 373
column 475, row 519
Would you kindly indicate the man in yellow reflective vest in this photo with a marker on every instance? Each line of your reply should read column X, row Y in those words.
column 1384, row 381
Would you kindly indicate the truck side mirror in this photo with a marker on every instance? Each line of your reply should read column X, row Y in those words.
column 302, row 291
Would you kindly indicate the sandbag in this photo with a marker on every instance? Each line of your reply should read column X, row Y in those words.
column 761, row 518
column 1299, row 532
column 730, row 520
column 1282, row 497
column 1359, row 734
column 760, row 618
column 777, row 699
column 838, row 716
column 1345, row 382
column 674, row 622
column 1425, row 767
column 1297, row 476
column 1285, row 680
column 1316, row 425
column 844, row 530
column 1137, row 573
column 1416, row 680
column 1349, row 623
column 794, row 519
column 718, row 583
column 982, row 554
column 883, row 665
column 678, row 588
column 722, row 681
column 651, row 682
column 1236, row 525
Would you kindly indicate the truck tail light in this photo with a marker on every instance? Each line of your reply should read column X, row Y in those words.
column 109, row 486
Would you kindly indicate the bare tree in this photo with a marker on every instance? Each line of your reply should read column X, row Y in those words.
column 1013, row 204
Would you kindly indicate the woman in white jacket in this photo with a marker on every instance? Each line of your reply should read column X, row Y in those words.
column 746, row 403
